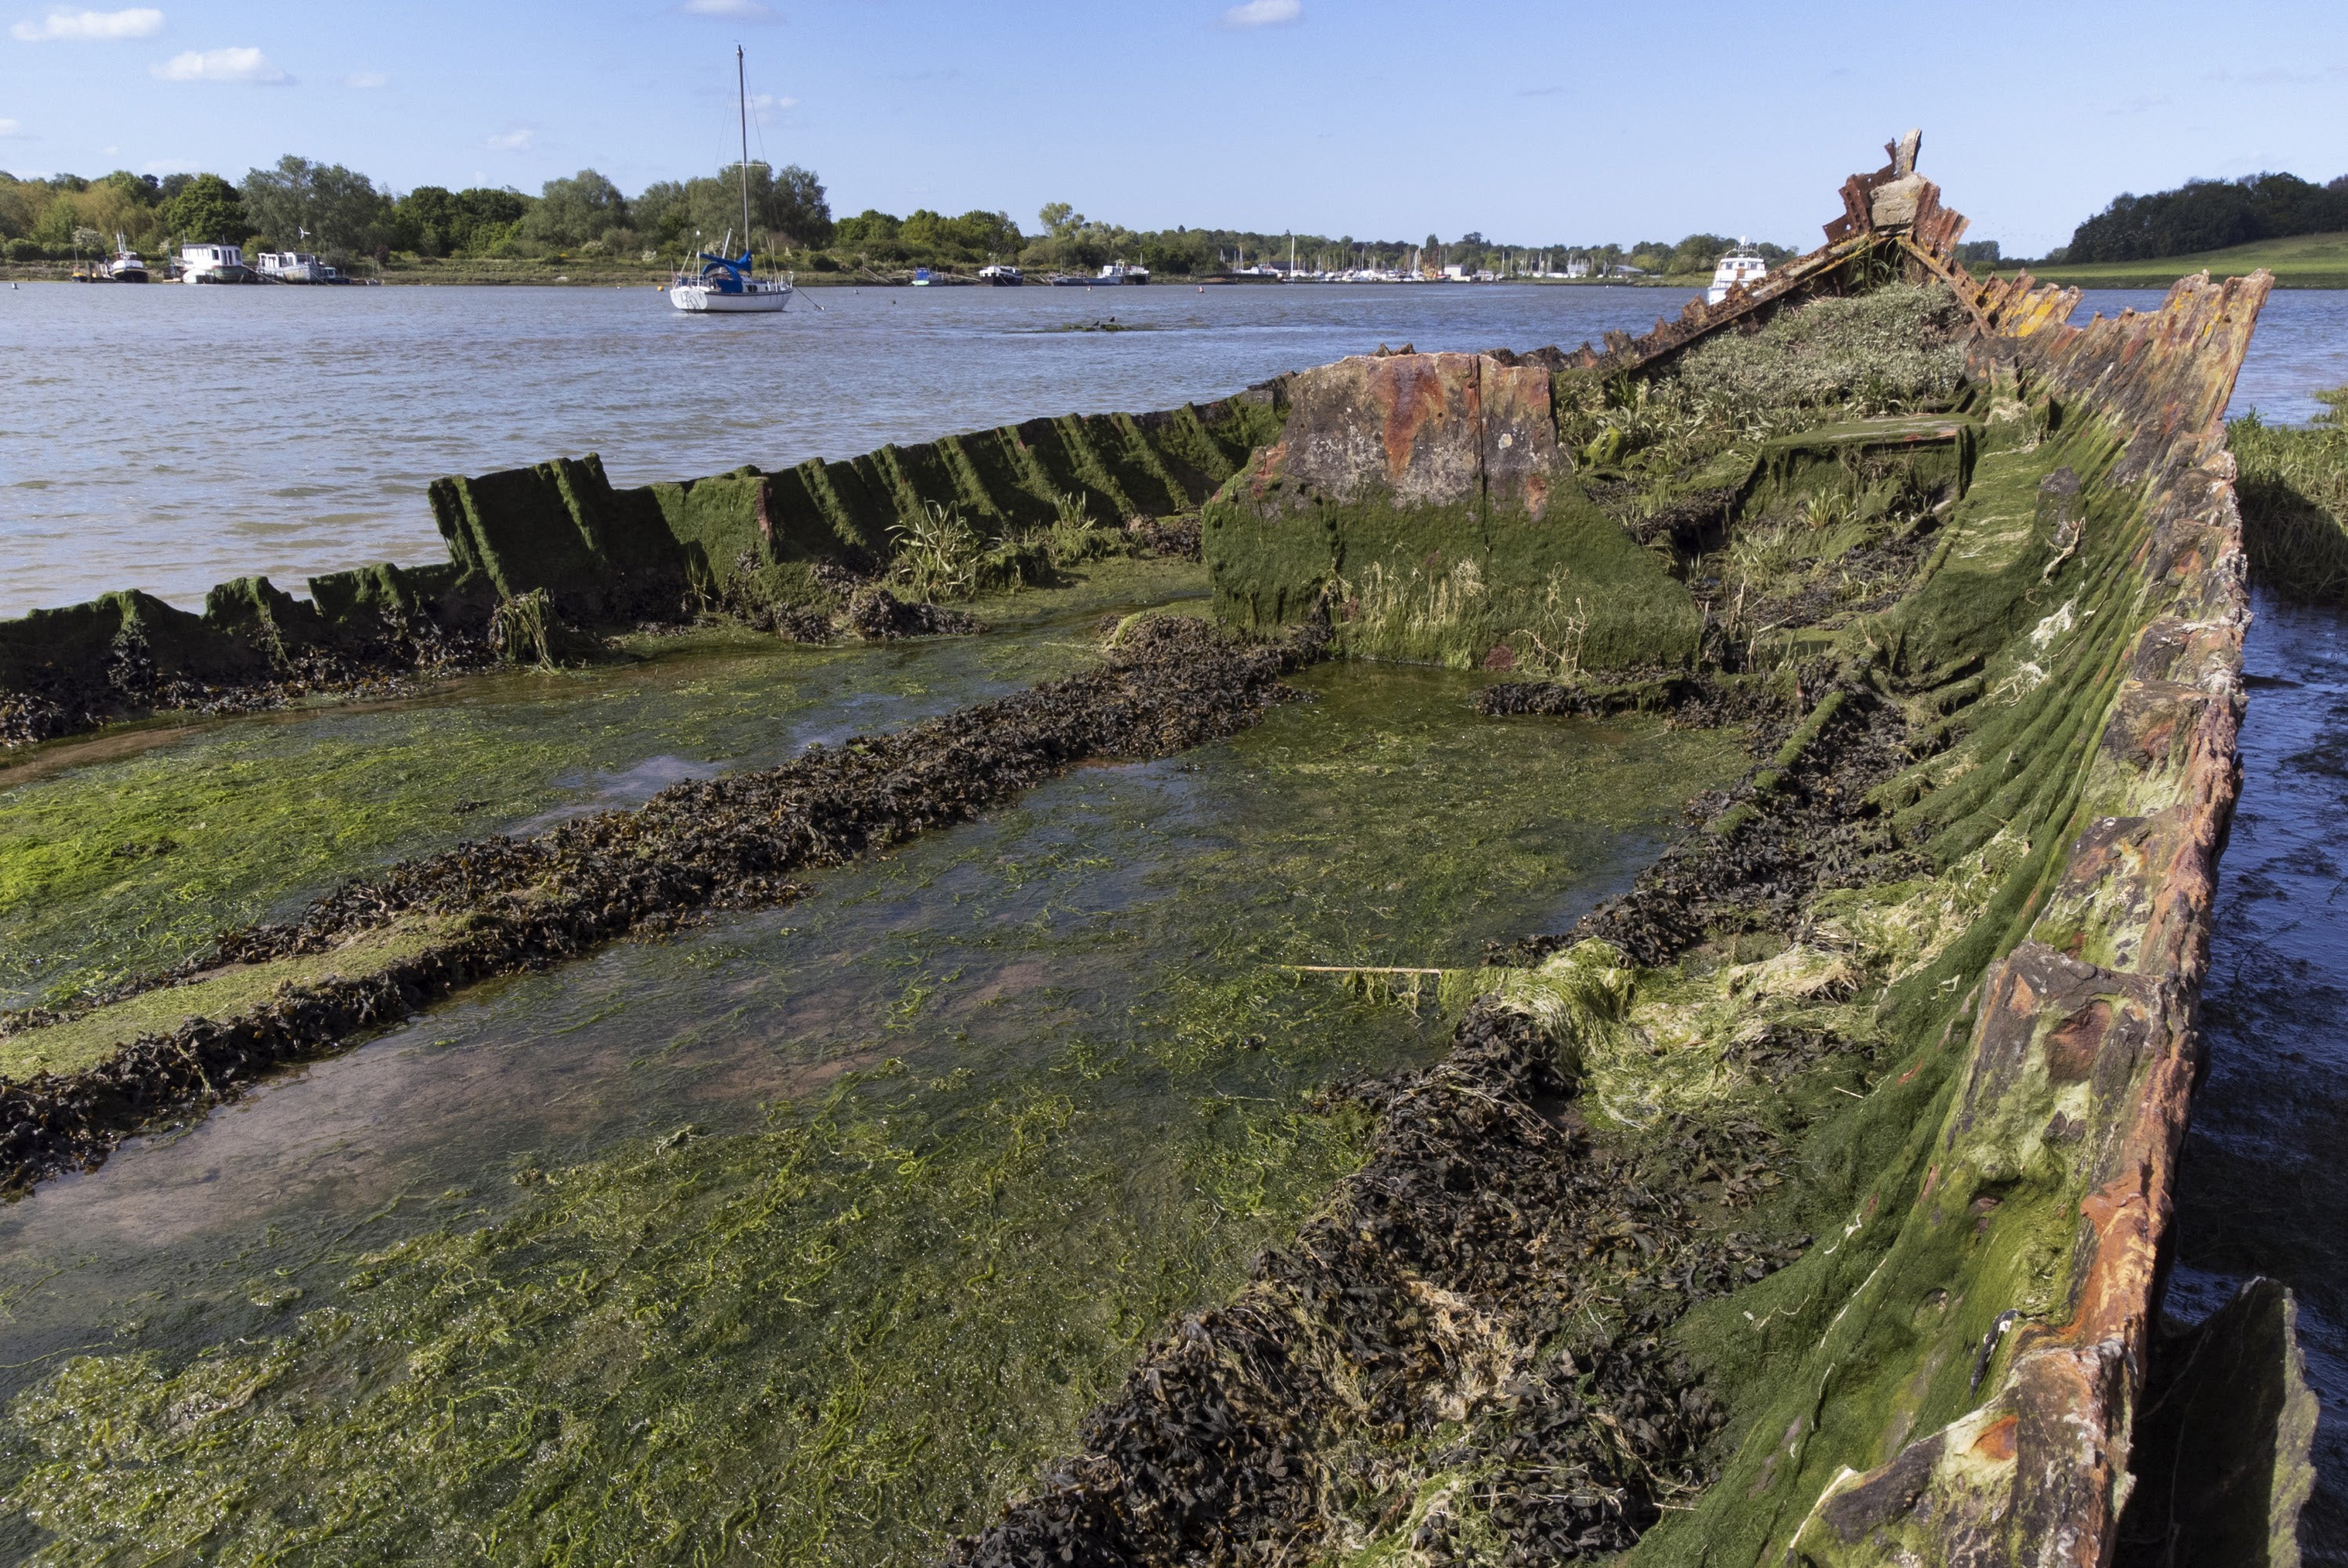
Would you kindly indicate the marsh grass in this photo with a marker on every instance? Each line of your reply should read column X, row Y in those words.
column 2293, row 489
column 1891, row 350
column 938, row 553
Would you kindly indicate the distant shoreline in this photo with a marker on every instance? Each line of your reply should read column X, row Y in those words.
column 549, row 276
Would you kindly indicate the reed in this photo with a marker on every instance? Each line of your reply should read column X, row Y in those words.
column 2293, row 490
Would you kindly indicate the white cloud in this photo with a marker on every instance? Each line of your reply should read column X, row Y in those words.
column 765, row 106
column 91, row 26
column 1264, row 14
column 367, row 79
column 221, row 66
column 731, row 10
column 11, row 131
column 509, row 140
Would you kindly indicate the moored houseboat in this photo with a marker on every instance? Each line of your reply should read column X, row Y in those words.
column 292, row 267
column 214, row 264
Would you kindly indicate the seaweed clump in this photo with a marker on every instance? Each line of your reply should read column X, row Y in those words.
column 1668, row 453
column 1461, row 1351
column 1171, row 683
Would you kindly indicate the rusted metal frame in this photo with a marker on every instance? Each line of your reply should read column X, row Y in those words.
column 1960, row 281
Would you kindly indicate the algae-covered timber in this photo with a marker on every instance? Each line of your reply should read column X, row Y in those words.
column 546, row 560
column 1977, row 873
column 1806, row 1204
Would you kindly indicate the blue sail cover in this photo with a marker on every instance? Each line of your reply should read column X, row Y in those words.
column 724, row 274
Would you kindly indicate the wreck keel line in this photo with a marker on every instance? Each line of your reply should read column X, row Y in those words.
column 1971, row 869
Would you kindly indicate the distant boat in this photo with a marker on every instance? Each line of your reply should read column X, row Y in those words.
column 1002, row 277
column 292, row 267
column 922, row 279
column 729, row 284
column 1739, row 266
column 126, row 267
column 213, row 264
column 1115, row 275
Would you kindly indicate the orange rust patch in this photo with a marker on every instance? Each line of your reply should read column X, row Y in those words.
column 1997, row 1444
column 2071, row 1045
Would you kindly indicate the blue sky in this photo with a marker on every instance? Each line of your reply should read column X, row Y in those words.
column 1531, row 123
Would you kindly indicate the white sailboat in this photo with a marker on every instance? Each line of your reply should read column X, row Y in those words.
column 729, row 284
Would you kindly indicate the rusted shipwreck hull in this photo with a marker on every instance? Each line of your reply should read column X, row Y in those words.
column 2031, row 733
column 1960, row 1375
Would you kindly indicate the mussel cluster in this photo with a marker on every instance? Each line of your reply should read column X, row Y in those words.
column 1685, row 701
column 727, row 842
column 877, row 615
column 1818, row 831
column 1492, row 1280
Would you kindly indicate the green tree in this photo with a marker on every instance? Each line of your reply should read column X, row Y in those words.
column 573, row 212
column 341, row 210
column 433, row 220
column 788, row 206
column 208, row 209
column 871, row 235
column 1697, row 253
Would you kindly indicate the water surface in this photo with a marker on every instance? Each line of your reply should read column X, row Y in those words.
column 2261, row 1189
column 841, row 1213
column 299, row 428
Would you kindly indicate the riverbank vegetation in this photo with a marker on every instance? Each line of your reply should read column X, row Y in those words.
column 2293, row 228
column 2294, row 499
column 582, row 227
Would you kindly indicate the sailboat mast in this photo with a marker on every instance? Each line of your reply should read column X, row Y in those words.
column 741, row 102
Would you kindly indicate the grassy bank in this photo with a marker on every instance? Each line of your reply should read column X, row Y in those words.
column 2303, row 261
column 2294, row 498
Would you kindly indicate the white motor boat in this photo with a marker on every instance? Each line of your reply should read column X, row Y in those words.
column 1739, row 266
column 213, row 264
column 729, row 284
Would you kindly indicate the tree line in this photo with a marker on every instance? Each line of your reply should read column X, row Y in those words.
column 2207, row 215
column 342, row 215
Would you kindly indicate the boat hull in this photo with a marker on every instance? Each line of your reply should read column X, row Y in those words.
column 694, row 299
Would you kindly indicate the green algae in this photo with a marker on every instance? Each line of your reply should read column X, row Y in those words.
column 89, row 1037
column 128, row 865
column 1054, row 1075
column 1871, row 1338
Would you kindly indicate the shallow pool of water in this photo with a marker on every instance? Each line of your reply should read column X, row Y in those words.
column 129, row 864
column 809, row 1233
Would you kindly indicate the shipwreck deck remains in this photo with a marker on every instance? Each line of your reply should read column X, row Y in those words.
column 1805, row 1205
